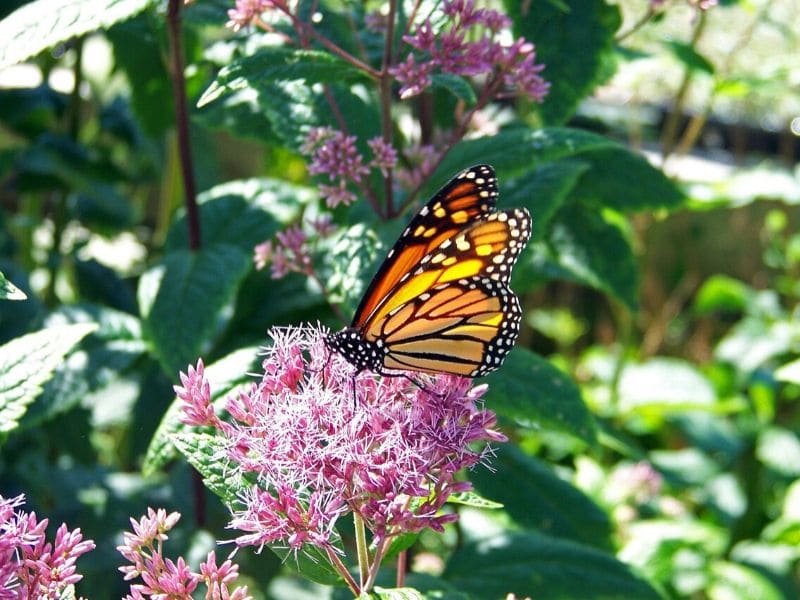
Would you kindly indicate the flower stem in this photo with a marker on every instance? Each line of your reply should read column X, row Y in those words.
column 361, row 547
column 342, row 569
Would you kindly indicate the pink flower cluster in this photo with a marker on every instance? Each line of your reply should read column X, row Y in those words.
column 322, row 442
column 30, row 566
column 163, row 578
column 290, row 252
column 333, row 153
column 467, row 44
column 247, row 11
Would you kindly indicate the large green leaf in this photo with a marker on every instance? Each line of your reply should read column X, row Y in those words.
column 535, row 498
column 542, row 190
column 533, row 392
column 595, row 252
column 103, row 358
column 183, row 301
column 27, row 362
column 138, row 46
column 732, row 580
column 8, row 291
column 574, row 39
column 290, row 107
column 278, row 63
column 207, row 454
column 44, row 23
column 243, row 213
column 608, row 182
column 542, row 567
column 514, row 151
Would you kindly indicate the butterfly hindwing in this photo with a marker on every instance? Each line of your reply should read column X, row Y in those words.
column 464, row 327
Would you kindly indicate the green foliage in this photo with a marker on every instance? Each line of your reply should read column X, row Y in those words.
column 547, row 567
column 27, row 362
column 8, row 291
column 652, row 404
column 42, row 24
column 574, row 39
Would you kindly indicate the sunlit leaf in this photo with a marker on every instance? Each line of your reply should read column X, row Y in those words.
column 27, row 362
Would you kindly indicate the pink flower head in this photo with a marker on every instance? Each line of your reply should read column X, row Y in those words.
column 162, row 577
column 414, row 77
column 334, row 154
column 385, row 156
column 29, row 564
column 289, row 253
column 246, row 11
column 468, row 44
column 321, row 442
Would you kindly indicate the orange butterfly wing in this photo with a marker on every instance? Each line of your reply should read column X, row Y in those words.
column 440, row 302
column 470, row 195
column 455, row 313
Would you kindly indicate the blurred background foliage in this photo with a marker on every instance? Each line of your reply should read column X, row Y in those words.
column 652, row 401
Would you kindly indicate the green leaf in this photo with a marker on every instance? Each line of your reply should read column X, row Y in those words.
column 44, row 23
column 349, row 258
column 752, row 342
column 536, row 499
column 104, row 356
column 279, row 63
column 690, row 57
column 240, row 114
column 595, row 253
column 458, row 86
column 474, row 500
column 243, row 213
column 8, row 291
column 542, row 190
column 183, row 301
column 534, row 393
column 608, row 182
column 663, row 386
column 207, row 454
column 27, row 362
column 139, row 47
column 790, row 372
column 223, row 376
column 779, row 449
column 516, row 150
column 575, row 41
column 542, row 567
column 722, row 293
column 290, row 107
column 732, row 580
column 404, row 593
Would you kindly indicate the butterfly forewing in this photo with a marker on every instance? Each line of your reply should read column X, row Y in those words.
column 470, row 195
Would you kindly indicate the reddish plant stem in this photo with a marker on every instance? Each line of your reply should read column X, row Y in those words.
column 175, row 68
column 488, row 93
column 385, row 86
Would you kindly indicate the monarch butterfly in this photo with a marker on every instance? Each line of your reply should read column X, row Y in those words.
column 440, row 302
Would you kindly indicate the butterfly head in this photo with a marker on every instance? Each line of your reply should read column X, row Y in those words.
column 361, row 353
